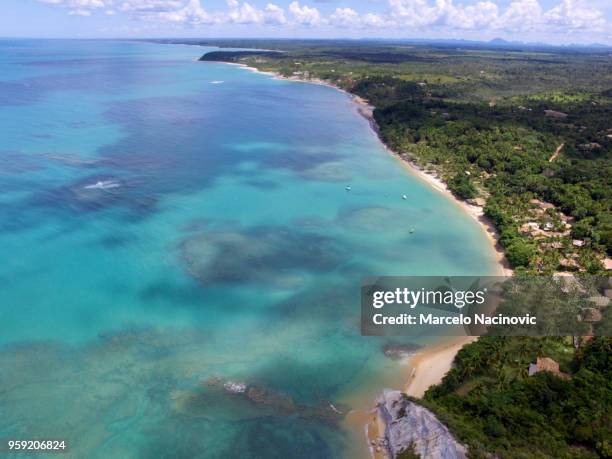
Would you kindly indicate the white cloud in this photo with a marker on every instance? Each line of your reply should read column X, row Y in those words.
column 575, row 15
column 375, row 21
column 305, row 15
column 417, row 13
column 77, row 4
column 150, row 6
column 422, row 13
column 410, row 16
column 79, row 13
column 244, row 13
column 477, row 16
column 274, row 15
column 191, row 14
column 345, row 17
column 521, row 15
column 128, row 6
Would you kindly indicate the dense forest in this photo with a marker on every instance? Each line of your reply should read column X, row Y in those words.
column 491, row 403
column 505, row 152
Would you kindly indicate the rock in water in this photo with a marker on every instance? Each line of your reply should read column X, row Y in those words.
column 399, row 350
column 235, row 387
column 410, row 424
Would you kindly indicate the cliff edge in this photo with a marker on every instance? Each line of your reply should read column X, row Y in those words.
column 408, row 425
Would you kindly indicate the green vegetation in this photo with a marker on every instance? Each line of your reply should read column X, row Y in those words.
column 408, row 453
column 564, row 409
column 490, row 403
column 563, row 306
column 527, row 132
column 519, row 252
column 506, row 155
column 462, row 187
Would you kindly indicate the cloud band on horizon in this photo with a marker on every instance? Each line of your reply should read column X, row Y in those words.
column 567, row 16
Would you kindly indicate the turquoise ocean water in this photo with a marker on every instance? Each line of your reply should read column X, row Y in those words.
column 168, row 226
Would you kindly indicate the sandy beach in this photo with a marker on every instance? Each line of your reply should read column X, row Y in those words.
column 429, row 366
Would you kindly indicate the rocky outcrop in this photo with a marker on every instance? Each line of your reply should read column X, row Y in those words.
column 261, row 397
column 409, row 425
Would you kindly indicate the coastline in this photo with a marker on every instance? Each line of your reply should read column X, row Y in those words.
column 429, row 366
column 431, row 179
column 475, row 211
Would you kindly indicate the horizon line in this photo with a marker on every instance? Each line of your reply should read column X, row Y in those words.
column 498, row 41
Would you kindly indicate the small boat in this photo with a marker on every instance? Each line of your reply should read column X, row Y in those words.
column 404, row 197
column 411, row 230
column 347, row 188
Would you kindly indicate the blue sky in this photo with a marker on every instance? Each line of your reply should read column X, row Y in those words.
column 553, row 21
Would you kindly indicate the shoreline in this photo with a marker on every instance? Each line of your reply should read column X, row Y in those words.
column 475, row 211
column 429, row 178
column 429, row 366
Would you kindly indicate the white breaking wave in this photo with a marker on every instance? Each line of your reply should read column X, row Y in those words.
column 103, row 185
column 216, row 82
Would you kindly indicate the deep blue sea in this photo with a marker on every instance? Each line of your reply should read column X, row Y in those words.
column 168, row 226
